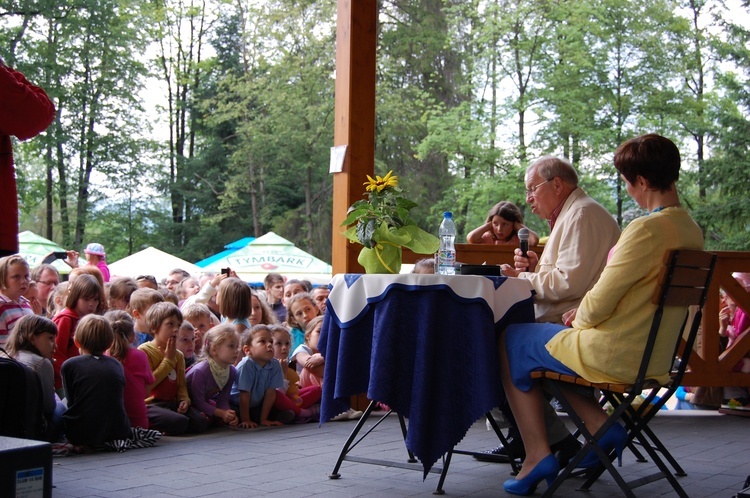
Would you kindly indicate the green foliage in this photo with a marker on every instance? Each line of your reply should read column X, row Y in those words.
column 468, row 93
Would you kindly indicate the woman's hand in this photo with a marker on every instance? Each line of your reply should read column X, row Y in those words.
column 249, row 424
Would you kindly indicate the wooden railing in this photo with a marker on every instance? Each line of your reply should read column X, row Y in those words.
column 709, row 365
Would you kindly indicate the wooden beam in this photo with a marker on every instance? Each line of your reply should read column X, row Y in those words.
column 356, row 40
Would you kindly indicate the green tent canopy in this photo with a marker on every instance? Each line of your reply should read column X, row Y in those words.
column 34, row 248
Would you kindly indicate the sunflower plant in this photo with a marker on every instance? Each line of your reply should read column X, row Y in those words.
column 381, row 223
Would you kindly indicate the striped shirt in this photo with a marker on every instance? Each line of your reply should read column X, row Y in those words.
column 10, row 312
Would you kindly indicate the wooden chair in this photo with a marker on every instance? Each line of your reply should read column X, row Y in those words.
column 683, row 281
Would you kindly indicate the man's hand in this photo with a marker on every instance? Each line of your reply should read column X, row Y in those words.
column 247, row 425
column 527, row 263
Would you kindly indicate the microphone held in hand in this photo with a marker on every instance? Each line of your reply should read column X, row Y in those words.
column 523, row 235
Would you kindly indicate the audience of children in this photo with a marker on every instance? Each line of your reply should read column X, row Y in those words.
column 138, row 375
column 320, row 296
column 120, row 290
column 94, row 387
column 168, row 405
column 260, row 312
column 32, row 296
column 259, row 375
column 199, row 317
column 424, row 266
column 210, row 380
column 14, row 282
column 47, row 278
column 141, row 301
column 300, row 309
column 32, row 342
column 83, row 298
column 310, row 363
column 273, row 283
column 302, row 401
column 131, row 363
column 234, row 300
column 186, row 343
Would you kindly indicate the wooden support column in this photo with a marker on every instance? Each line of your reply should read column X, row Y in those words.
column 356, row 37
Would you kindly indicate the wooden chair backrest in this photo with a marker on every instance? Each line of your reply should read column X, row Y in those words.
column 684, row 278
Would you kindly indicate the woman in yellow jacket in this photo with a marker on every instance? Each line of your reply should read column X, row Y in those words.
column 603, row 340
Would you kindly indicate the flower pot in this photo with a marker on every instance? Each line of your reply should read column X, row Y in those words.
column 383, row 258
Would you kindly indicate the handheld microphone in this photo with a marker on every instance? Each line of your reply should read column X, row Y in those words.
column 523, row 235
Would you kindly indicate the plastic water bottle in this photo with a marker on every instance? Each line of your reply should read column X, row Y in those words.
column 447, row 252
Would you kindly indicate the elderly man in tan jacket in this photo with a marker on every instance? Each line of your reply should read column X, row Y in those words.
column 582, row 232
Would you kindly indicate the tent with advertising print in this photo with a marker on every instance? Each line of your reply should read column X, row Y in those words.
column 151, row 261
column 272, row 253
column 34, row 248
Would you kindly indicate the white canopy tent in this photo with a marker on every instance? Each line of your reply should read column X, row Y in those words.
column 151, row 261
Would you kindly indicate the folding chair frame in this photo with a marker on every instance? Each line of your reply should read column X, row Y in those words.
column 683, row 281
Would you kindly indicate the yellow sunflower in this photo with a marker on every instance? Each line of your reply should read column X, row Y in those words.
column 379, row 183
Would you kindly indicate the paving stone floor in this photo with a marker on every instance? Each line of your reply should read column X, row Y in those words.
column 294, row 461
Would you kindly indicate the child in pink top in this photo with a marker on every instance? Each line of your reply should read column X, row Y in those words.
column 303, row 402
column 138, row 375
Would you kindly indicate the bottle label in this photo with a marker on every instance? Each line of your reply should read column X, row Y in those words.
column 446, row 262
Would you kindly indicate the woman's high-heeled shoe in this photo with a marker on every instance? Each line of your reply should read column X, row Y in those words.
column 615, row 438
column 547, row 468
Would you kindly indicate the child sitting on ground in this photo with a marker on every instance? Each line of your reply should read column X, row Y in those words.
column 83, row 298
column 14, row 280
column 199, row 317
column 301, row 308
column 168, row 406
column 303, row 402
column 210, row 380
column 186, row 343
column 138, row 375
column 234, row 300
column 120, row 290
column 94, row 384
column 260, row 312
column 32, row 342
column 310, row 363
column 141, row 301
column 258, row 376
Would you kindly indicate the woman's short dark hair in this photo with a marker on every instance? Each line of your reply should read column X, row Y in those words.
column 655, row 158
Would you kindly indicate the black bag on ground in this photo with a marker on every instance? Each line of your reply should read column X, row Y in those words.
column 21, row 413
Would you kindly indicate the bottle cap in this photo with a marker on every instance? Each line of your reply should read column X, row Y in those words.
column 447, row 214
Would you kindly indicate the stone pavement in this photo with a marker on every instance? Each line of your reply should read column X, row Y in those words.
column 295, row 461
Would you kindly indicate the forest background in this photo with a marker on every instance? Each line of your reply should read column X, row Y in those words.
column 188, row 124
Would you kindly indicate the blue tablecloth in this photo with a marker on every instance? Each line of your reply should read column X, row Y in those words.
column 423, row 344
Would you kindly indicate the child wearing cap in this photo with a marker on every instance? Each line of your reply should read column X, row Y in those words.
column 95, row 256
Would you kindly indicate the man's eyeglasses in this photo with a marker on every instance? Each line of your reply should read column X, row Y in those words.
column 150, row 278
column 532, row 190
column 51, row 283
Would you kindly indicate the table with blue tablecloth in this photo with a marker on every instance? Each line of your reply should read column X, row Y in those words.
column 425, row 345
